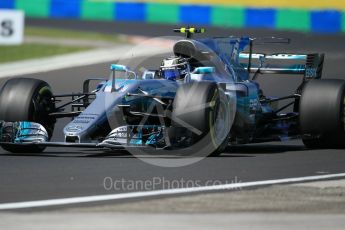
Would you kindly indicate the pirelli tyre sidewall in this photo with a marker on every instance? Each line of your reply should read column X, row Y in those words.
column 26, row 99
column 322, row 114
column 203, row 106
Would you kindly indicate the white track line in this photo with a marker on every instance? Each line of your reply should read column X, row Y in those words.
column 98, row 198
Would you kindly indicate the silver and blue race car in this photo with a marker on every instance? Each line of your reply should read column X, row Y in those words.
column 198, row 102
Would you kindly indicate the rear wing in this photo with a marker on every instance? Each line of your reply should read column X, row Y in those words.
column 309, row 65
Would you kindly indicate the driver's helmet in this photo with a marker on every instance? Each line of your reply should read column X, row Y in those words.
column 174, row 68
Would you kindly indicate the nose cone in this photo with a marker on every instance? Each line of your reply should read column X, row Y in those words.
column 93, row 121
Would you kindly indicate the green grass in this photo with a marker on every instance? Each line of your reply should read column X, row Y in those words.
column 69, row 34
column 30, row 51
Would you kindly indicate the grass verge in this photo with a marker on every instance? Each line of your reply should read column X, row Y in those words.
column 30, row 51
column 70, row 34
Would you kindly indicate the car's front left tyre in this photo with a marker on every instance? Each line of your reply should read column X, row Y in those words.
column 204, row 109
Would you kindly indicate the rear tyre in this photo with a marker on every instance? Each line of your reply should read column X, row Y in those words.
column 204, row 109
column 322, row 114
column 26, row 99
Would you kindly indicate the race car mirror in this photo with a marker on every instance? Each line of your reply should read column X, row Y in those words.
column 204, row 70
column 114, row 68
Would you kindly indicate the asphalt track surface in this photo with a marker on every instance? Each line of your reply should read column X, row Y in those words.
column 66, row 172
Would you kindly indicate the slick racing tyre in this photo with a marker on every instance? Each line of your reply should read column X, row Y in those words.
column 203, row 109
column 25, row 99
column 322, row 114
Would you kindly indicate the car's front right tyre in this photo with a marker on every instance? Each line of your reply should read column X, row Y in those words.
column 27, row 99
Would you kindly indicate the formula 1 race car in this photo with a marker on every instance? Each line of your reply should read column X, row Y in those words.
column 198, row 102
